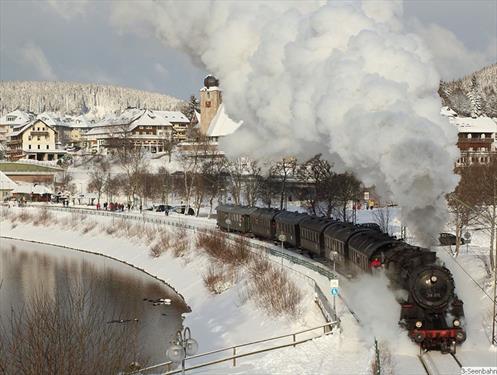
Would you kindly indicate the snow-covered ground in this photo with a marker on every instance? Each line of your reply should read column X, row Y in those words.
column 226, row 319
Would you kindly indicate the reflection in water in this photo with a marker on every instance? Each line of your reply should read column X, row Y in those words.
column 28, row 271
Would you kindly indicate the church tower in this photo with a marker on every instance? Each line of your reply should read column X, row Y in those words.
column 210, row 100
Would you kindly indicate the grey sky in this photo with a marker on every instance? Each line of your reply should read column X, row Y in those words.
column 69, row 41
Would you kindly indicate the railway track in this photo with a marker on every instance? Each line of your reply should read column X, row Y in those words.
column 436, row 363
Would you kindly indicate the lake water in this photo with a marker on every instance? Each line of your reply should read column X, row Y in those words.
column 27, row 268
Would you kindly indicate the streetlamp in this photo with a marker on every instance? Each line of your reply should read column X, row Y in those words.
column 282, row 239
column 228, row 223
column 333, row 255
column 182, row 347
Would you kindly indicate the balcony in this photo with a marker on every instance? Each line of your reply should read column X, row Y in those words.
column 35, row 133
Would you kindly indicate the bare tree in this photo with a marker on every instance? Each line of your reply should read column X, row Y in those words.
column 215, row 173
column 347, row 188
column 70, row 336
column 316, row 177
column 65, row 182
column 113, row 186
column 252, row 182
column 191, row 161
column 165, row 184
column 284, row 169
column 382, row 218
column 98, row 175
column 268, row 185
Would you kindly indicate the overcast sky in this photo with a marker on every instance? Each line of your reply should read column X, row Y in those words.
column 75, row 41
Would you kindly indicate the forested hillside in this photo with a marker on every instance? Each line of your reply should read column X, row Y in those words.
column 474, row 95
column 77, row 98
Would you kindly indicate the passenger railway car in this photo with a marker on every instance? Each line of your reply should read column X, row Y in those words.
column 336, row 239
column 288, row 224
column 263, row 223
column 312, row 234
column 239, row 217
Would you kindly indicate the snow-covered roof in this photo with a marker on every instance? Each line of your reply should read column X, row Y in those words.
column 6, row 183
column 78, row 121
column 172, row 116
column 26, row 188
column 149, row 118
column 16, row 118
column 20, row 129
column 52, row 119
column 212, row 88
column 446, row 111
column 474, row 125
column 197, row 116
column 221, row 124
column 124, row 118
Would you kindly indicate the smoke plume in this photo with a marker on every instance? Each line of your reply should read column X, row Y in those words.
column 341, row 78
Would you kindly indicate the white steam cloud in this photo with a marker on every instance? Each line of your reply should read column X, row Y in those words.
column 340, row 78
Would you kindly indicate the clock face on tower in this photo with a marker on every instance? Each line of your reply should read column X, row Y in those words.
column 207, row 104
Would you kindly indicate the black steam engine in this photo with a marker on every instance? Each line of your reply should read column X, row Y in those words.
column 430, row 310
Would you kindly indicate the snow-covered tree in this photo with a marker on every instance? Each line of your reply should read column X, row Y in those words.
column 78, row 98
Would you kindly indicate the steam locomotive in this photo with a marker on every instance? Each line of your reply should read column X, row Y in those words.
column 431, row 311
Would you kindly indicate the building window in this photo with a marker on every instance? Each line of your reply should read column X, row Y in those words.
column 29, row 138
column 38, row 137
column 11, row 118
column 29, row 146
column 469, row 135
column 38, row 147
column 47, row 147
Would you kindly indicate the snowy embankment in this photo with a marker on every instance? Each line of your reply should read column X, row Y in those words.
column 217, row 321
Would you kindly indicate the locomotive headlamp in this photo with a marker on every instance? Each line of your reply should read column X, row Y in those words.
column 419, row 324
column 433, row 279
column 456, row 323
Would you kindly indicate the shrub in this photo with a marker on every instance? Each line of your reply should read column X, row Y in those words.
column 88, row 227
column 53, row 336
column 271, row 289
column 217, row 279
column 162, row 244
column 181, row 242
column 43, row 218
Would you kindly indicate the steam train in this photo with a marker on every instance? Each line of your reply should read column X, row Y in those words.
column 431, row 312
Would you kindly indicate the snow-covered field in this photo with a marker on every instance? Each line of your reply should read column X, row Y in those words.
column 228, row 319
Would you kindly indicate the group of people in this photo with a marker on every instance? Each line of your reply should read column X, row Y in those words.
column 113, row 206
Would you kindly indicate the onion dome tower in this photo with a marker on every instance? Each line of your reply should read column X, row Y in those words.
column 210, row 100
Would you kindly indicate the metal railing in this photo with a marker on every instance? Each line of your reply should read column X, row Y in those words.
column 327, row 329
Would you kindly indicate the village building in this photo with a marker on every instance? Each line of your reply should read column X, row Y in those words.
column 35, row 140
column 140, row 128
column 213, row 121
column 6, row 186
column 476, row 137
column 31, row 171
column 12, row 120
